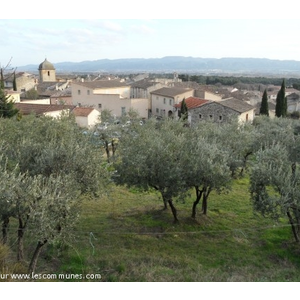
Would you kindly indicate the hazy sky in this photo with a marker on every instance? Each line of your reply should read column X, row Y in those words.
column 87, row 37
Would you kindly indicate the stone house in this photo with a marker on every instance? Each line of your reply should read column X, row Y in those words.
column 222, row 111
column 191, row 103
column 163, row 100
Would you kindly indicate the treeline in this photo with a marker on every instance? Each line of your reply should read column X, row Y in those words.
column 232, row 80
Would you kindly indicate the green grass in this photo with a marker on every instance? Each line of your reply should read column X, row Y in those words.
column 126, row 236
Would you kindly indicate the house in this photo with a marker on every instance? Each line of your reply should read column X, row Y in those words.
column 48, row 89
column 48, row 110
column 222, row 111
column 83, row 92
column 86, row 116
column 293, row 102
column 143, row 88
column 271, row 106
column 13, row 96
column 191, row 103
column 62, row 97
column 163, row 100
column 24, row 81
column 112, row 95
column 200, row 91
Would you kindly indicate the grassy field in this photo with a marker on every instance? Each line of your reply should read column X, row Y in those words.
column 127, row 237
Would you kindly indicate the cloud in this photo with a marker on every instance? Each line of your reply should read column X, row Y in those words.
column 143, row 29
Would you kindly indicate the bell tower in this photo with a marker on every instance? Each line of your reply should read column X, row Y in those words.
column 47, row 72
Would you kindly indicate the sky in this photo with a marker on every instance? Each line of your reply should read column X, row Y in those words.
column 116, row 32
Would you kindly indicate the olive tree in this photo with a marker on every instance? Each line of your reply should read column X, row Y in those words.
column 206, row 169
column 46, row 160
column 275, row 186
column 54, row 212
column 150, row 157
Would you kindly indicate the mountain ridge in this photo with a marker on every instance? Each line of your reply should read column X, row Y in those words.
column 180, row 64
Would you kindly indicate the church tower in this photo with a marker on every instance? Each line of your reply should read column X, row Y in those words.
column 47, row 71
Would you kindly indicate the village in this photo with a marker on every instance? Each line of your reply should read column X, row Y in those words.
column 87, row 96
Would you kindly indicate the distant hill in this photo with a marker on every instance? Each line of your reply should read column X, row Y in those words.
column 179, row 64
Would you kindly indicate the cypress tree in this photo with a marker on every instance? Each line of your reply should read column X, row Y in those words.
column 183, row 110
column 2, row 80
column 15, row 82
column 264, row 107
column 281, row 102
column 7, row 109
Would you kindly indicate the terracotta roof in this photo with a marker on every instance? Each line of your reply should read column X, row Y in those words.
column 40, row 109
column 193, row 102
column 170, row 92
column 82, row 111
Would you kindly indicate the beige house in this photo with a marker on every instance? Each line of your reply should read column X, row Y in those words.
column 203, row 92
column 207, row 94
column 163, row 100
column 82, row 91
column 13, row 96
column 111, row 95
column 86, row 116
column 24, row 81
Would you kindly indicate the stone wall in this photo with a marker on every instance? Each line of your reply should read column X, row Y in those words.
column 213, row 112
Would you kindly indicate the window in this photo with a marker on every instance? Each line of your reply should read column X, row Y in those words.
column 100, row 105
column 79, row 92
column 157, row 110
column 211, row 117
column 170, row 101
column 220, row 118
column 164, row 100
column 200, row 116
column 48, row 73
column 123, row 111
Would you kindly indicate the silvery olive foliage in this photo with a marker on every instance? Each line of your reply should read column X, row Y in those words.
column 275, row 177
column 46, row 165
